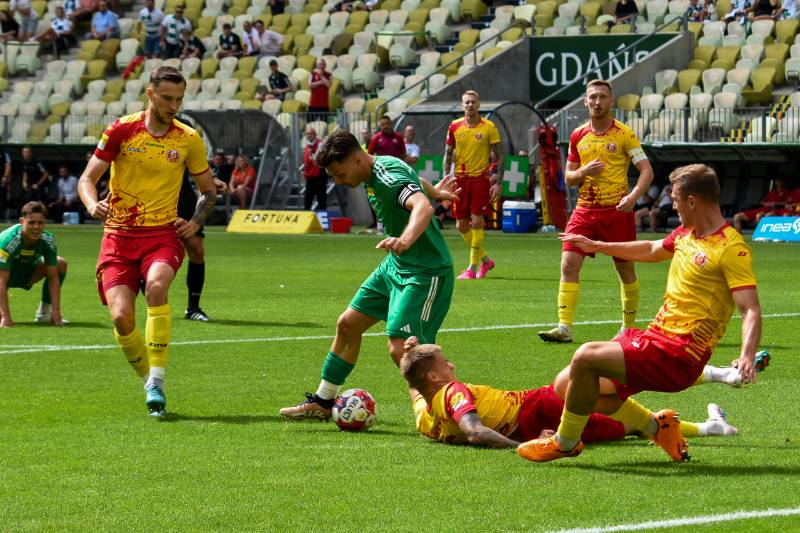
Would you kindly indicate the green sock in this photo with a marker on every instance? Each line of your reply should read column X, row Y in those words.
column 335, row 370
column 46, row 287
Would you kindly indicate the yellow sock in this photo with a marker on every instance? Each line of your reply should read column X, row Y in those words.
column 689, row 429
column 567, row 301
column 476, row 252
column 700, row 379
column 468, row 240
column 634, row 414
column 630, row 302
column 572, row 425
column 159, row 326
column 135, row 351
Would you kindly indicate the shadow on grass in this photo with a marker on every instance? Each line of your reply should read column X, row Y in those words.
column 691, row 469
column 240, row 420
column 231, row 322
column 71, row 325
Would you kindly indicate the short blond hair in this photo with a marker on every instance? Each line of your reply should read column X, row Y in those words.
column 417, row 362
column 471, row 93
column 599, row 83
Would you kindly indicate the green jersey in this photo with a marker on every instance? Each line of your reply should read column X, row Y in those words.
column 390, row 184
column 14, row 253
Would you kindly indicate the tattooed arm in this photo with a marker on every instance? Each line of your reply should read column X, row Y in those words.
column 500, row 157
column 480, row 435
column 205, row 205
column 448, row 159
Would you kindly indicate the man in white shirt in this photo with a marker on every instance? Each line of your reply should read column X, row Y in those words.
column 60, row 31
column 172, row 28
column 271, row 42
column 68, row 199
column 28, row 18
column 250, row 39
column 412, row 150
column 788, row 10
column 150, row 19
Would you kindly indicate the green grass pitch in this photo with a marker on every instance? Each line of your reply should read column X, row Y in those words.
column 77, row 451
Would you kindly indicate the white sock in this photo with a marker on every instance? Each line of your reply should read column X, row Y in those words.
column 327, row 390
column 566, row 444
column 729, row 375
column 156, row 377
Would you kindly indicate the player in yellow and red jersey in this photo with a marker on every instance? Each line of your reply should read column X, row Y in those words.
column 454, row 412
column 600, row 153
column 470, row 141
column 141, row 249
column 711, row 272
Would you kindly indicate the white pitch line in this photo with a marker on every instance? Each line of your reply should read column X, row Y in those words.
column 69, row 348
column 677, row 522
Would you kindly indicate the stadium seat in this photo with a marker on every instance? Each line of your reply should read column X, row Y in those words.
column 113, row 90
column 127, row 51
column 28, row 60
column 307, row 62
column 190, row 67
column 473, row 9
column 775, row 56
column 450, row 63
column 401, row 54
column 684, row 130
column 792, row 69
column 322, row 43
column 785, row 30
column 739, row 76
column 108, row 51
column 762, row 27
column 703, row 56
column 209, row 89
column 299, row 77
column 467, row 39
column 687, row 79
column 525, row 13
column 293, row 106
column 713, row 79
column 726, row 57
column 628, row 102
column 590, row 11
column 54, row 70
column 344, row 70
column 133, row 89
column 753, row 52
column 666, row 81
column 660, row 130
column 758, row 39
column 650, row 105
column 286, row 63
column 365, row 76
column 761, row 90
column 211, row 105
column 193, row 87
column 788, row 129
column 208, row 67
column 272, row 107
column 354, row 105
column 363, row 43
column 302, row 44
column 761, row 129
column 700, row 105
column 437, row 25
column 734, row 40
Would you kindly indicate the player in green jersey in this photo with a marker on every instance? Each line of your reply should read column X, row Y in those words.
column 410, row 289
column 28, row 254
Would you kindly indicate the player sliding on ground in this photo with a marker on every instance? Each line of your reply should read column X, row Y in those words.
column 455, row 412
column 410, row 289
column 141, row 249
column 711, row 272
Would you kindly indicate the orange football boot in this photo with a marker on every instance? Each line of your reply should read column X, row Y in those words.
column 669, row 438
column 543, row 450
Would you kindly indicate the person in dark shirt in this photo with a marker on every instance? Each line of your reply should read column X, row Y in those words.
column 230, row 44
column 277, row 6
column 8, row 26
column 35, row 177
column 387, row 141
column 220, row 167
column 625, row 11
column 279, row 83
column 192, row 46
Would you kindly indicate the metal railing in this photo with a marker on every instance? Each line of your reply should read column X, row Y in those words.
column 701, row 125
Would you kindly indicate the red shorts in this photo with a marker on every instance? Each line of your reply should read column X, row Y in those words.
column 600, row 224
column 542, row 408
column 475, row 197
column 125, row 259
column 656, row 362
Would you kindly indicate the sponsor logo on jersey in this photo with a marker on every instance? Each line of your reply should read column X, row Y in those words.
column 406, row 328
column 134, row 149
column 172, row 156
column 26, row 252
column 457, row 401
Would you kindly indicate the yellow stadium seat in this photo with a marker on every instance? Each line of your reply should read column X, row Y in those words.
column 785, row 30
column 726, row 57
column 761, row 90
column 95, row 70
column 590, row 10
column 88, row 49
column 294, row 106
column 628, row 102
column 208, row 67
column 687, row 79
column 775, row 56
column 703, row 56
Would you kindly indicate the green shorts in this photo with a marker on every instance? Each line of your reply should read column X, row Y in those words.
column 20, row 277
column 411, row 305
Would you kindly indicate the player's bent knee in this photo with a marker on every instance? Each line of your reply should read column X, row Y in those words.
column 585, row 358
column 62, row 264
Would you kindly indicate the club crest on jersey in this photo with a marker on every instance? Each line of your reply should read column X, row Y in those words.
column 611, row 147
column 478, row 136
column 172, row 156
column 700, row 259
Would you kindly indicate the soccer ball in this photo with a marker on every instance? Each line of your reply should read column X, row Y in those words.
column 354, row 410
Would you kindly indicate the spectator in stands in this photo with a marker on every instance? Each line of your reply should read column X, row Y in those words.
column 738, row 12
column 68, row 199
column 792, row 207
column 319, row 82
column 220, row 167
column 695, row 12
column 230, row 45
column 625, row 11
column 277, row 6
column 243, row 181
column 316, row 178
column 271, row 42
column 150, row 18
column 761, row 10
column 59, row 32
column 171, row 33
column 788, row 10
column 35, row 177
column 250, row 39
column 662, row 210
column 775, row 200
column 83, row 9
column 192, row 46
column 412, row 150
column 366, row 137
column 105, row 24
column 9, row 27
column 28, row 18
column 387, row 141
column 644, row 204
column 710, row 11
column 6, row 182
column 279, row 84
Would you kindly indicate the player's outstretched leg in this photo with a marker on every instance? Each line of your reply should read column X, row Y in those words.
column 717, row 425
column 340, row 361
